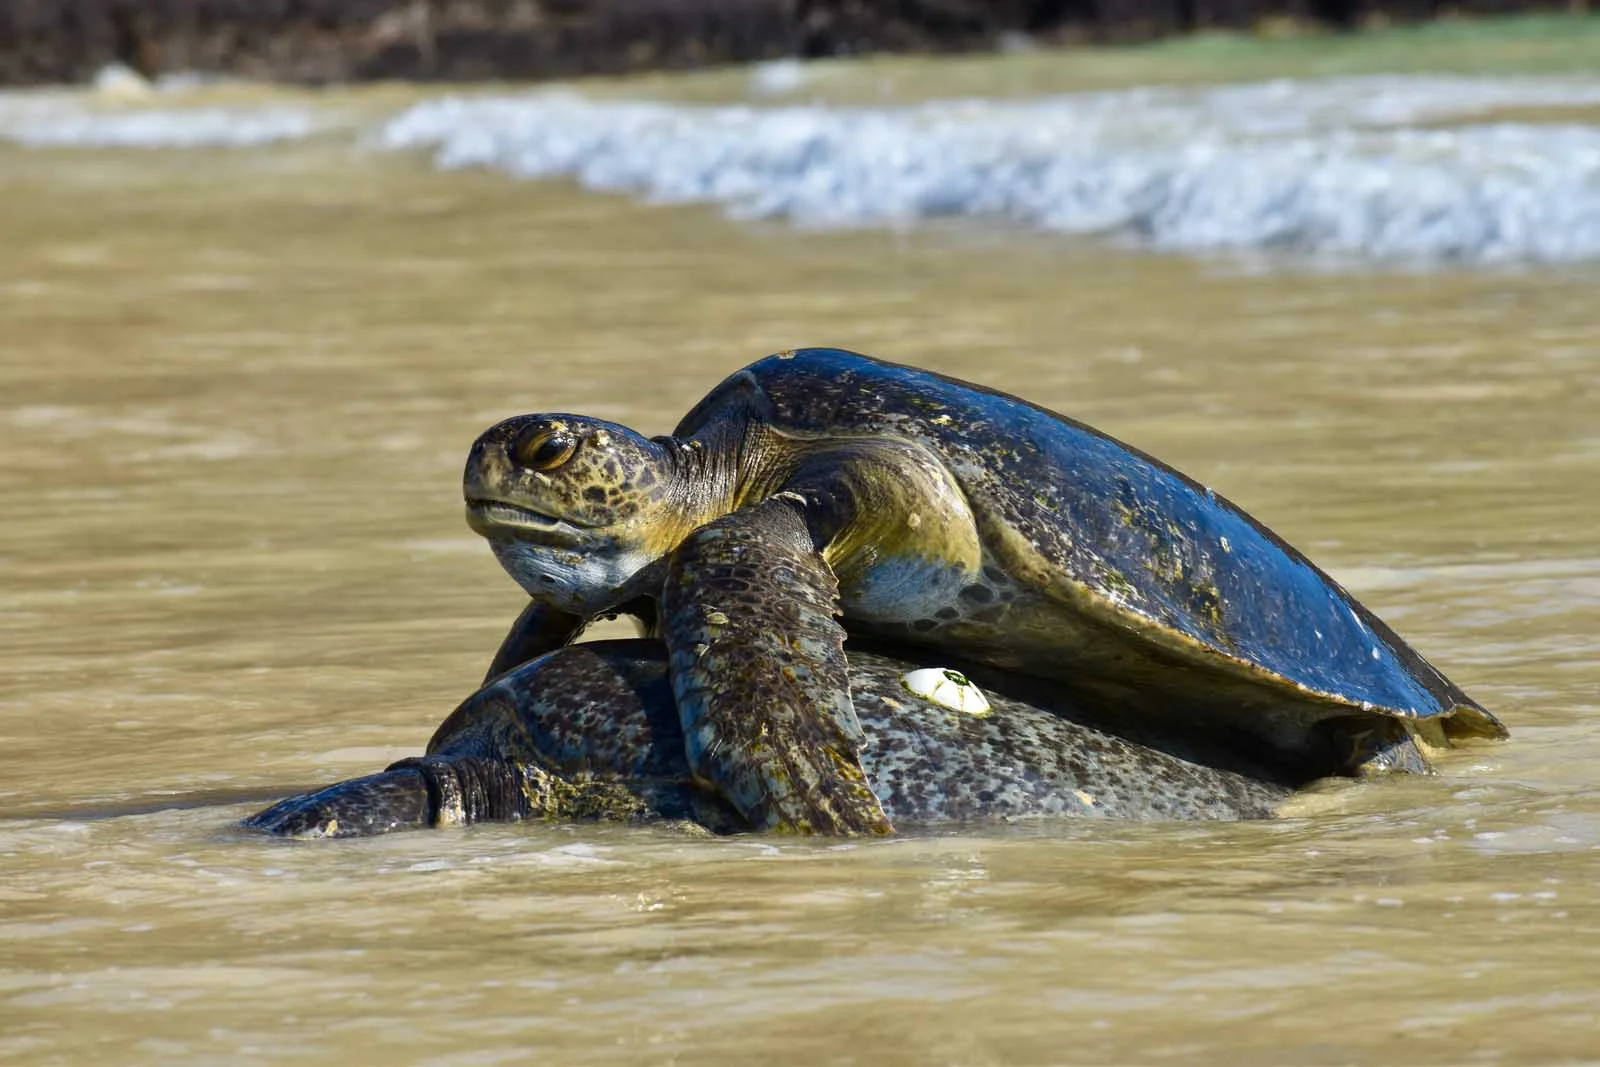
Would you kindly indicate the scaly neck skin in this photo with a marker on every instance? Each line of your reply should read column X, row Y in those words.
column 729, row 463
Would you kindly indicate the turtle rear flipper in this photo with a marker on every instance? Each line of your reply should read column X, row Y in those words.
column 1371, row 746
column 760, row 677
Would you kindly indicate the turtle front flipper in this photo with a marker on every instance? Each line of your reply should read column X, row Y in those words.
column 760, row 677
column 360, row 807
column 423, row 792
column 438, row 791
column 539, row 629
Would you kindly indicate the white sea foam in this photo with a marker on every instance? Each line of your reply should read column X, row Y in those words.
column 778, row 77
column 1351, row 169
column 158, row 128
column 1332, row 168
column 125, row 111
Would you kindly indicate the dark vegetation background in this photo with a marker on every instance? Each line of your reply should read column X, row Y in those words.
column 346, row 40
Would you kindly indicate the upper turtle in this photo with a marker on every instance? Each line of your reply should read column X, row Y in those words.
column 933, row 512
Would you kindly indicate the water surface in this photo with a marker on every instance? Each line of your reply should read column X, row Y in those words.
column 236, row 388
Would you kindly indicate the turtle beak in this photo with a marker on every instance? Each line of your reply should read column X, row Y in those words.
column 487, row 466
column 495, row 518
column 489, row 470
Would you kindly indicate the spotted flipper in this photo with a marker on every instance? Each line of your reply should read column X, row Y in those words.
column 360, row 807
column 759, row 674
column 440, row 791
column 539, row 629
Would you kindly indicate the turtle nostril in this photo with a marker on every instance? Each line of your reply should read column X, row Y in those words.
column 473, row 477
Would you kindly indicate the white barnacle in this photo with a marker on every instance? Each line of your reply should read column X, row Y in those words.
column 947, row 688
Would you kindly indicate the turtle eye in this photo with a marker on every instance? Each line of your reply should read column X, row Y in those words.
column 543, row 448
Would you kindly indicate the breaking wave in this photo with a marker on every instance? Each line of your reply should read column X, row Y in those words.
column 1425, row 170
column 1384, row 169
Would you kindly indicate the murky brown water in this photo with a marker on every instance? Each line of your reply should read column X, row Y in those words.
column 235, row 392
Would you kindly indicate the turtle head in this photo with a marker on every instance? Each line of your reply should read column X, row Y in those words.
column 574, row 507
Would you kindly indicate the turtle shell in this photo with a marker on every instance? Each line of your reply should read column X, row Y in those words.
column 591, row 732
column 1160, row 586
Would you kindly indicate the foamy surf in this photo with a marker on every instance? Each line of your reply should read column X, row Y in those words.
column 1373, row 170
column 147, row 128
column 1350, row 169
column 126, row 112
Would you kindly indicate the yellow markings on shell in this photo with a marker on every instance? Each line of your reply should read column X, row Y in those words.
column 602, row 438
column 331, row 828
column 948, row 689
column 1087, row 798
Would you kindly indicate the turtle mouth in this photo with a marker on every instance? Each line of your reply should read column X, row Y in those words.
column 496, row 518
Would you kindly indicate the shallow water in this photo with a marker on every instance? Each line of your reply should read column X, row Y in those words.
column 237, row 389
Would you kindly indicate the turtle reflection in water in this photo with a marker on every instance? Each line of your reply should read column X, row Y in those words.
column 592, row 732
column 943, row 517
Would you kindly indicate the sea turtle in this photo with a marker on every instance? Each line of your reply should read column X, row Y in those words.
column 933, row 513
column 592, row 732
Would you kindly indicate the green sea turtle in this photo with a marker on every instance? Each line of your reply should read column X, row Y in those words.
column 932, row 513
column 592, row 732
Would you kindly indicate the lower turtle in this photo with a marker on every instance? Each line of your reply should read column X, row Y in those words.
column 821, row 493
column 592, row 732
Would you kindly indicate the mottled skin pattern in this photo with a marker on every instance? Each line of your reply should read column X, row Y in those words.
column 795, row 765
column 961, row 519
column 592, row 732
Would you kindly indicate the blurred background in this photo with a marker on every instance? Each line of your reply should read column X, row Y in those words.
column 352, row 40
column 264, row 276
